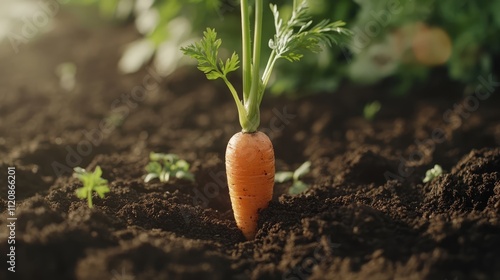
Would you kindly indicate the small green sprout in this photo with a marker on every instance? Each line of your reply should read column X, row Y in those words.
column 371, row 109
column 115, row 120
column 66, row 72
column 164, row 166
column 91, row 182
column 432, row 173
column 298, row 186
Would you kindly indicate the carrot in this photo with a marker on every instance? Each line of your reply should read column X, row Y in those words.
column 250, row 154
column 250, row 176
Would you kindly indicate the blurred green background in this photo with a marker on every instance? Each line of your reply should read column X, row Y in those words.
column 403, row 41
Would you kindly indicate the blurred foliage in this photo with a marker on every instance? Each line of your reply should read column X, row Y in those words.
column 411, row 28
column 371, row 109
column 474, row 27
column 402, row 39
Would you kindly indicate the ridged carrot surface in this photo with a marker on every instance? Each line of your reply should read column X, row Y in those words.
column 250, row 175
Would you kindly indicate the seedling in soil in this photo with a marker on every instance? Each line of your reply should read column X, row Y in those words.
column 115, row 120
column 371, row 109
column 166, row 166
column 298, row 186
column 432, row 173
column 66, row 73
column 92, row 182
column 250, row 154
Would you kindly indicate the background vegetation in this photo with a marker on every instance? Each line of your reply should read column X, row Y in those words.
column 388, row 37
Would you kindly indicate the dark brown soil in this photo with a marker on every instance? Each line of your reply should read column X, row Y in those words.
column 367, row 214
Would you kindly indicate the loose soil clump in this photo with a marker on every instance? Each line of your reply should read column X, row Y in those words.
column 367, row 214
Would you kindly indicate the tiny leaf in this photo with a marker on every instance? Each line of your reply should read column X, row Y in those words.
column 150, row 177
column 97, row 172
column 371, row 109
column 164, row 166
column 184, row 175
column 79, row 170
column 101, row 190
column 92, row 182
column 302, row 170
column 81, row 193
column 432, row 173
column 298, row 187
column 153, row 167
column 283, row 176
column 165, row 176
column 182, row 164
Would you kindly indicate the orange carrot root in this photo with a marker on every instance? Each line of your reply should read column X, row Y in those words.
column 250, row 175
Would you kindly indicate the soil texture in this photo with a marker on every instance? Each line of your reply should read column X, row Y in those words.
column 366, row 215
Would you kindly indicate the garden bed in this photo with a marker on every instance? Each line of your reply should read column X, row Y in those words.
column 366, row 215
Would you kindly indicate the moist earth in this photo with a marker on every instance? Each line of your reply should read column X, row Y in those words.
column 366, row 215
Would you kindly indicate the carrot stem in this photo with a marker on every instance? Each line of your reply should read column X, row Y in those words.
column 253, row 101
column 269, row 68
column 246, row 50
column 241, row 109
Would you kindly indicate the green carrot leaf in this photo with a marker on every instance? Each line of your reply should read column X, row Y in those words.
column 206, row 53
column 231, row 64
column 298, row 35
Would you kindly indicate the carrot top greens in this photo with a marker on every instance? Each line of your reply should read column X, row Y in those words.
column 292, row 38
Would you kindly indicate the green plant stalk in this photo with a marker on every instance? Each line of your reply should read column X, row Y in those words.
column 242, row 114
column 252, row 104
column 86, row 182
column 269, row 68
column 288, row 43
column 246, row 50
column 252, row 84
column 89, row 200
